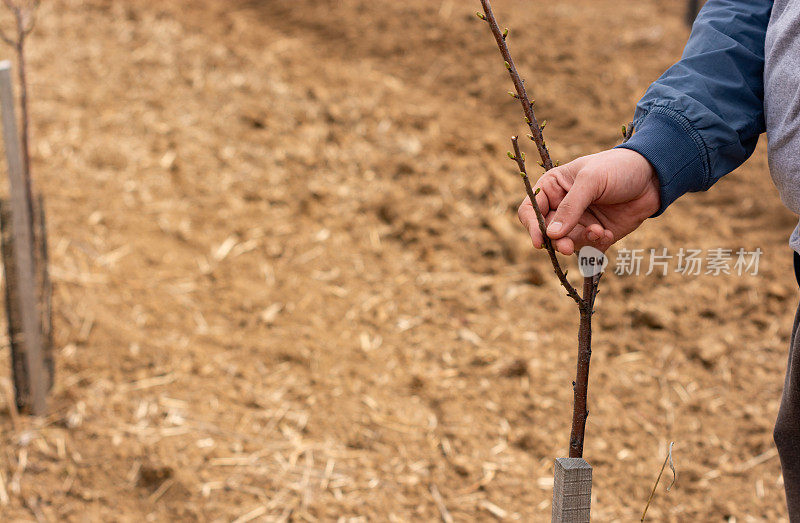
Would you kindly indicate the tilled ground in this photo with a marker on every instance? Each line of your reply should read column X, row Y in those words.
column 289, row 282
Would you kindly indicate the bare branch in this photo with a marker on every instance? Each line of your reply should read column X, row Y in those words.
column 595, row 290
column 25, row 18
column 519, row 157
column 30, row 23
column 24, row 13
column 627, row 132
column 519, row 86
column 580, row 412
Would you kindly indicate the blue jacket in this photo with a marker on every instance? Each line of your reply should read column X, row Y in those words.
column 702, row 118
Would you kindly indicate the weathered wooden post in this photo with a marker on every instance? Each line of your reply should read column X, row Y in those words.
column 572, row 491
column 24, row 299
column 13, row 314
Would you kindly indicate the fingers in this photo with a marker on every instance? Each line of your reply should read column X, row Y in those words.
column 581, row 236
column 565, row 246
column 588, row 231
column 594, row 232
column 548, row 195
column 572, row 207
column 597, row 237
column 527, row 216
column 564, row 199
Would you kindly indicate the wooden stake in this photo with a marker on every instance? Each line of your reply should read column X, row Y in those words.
column 22, row 224
column 572, row 491
column 21, row 393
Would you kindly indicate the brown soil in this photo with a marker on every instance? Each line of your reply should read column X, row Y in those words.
column 289, row 282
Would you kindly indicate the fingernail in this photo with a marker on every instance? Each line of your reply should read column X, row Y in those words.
column 554, row 228
column 592, row 235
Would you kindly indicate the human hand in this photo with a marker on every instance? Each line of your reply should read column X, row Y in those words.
column 595, row 200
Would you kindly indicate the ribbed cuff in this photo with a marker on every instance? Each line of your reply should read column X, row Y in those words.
column 675, row 153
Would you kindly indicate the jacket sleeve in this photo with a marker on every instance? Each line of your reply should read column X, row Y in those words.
column 702, row 118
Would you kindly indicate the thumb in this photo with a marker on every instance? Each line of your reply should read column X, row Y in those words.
column 582, row 193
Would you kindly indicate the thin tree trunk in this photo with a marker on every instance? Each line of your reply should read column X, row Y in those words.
column 581, row 385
